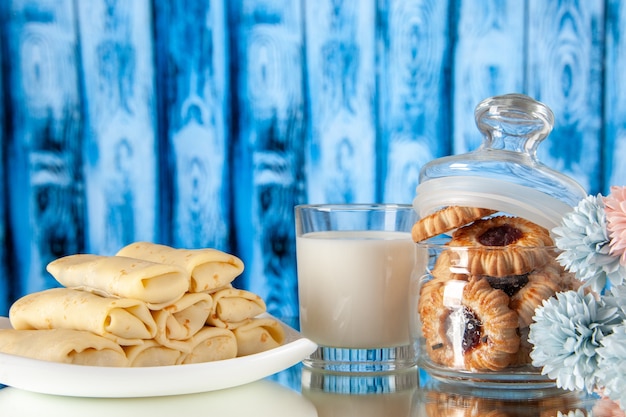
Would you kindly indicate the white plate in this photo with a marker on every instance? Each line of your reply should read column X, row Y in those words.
column 257, row 399
column 100, row 381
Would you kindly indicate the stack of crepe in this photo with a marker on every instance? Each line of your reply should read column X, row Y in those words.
column 149, row 305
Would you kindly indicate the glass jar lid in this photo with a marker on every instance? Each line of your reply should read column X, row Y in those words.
column 504, row 173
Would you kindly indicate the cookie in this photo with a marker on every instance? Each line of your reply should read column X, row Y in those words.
column 502, row 245
column 468, row 325
column 497, row 339
column 450, row 265
column 542, row 284
column 433, row 314
column 446, row 219
column 522, row 357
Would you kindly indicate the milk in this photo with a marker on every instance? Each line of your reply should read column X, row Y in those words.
column 353, row 287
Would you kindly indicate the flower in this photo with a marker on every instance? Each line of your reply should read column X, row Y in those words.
column 617, row 298
column 615, row 208
column 579, row 337
column 611, row 374
column 584, row 241
column 566, row 333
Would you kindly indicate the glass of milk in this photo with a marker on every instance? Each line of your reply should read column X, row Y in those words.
column 354, row 269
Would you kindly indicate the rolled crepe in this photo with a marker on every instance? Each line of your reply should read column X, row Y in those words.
column 210, row 269
column 258, row 335
column 182, row 319
column 125, row 321
column 211, row 344
column 232, row 307
column 151, row 353
column 62, row 345
column 118, row 276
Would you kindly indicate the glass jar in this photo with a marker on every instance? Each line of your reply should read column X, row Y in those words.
column 485, row 257
column 504, row 172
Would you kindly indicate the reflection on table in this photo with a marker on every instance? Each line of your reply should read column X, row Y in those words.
column 415, row 394
column 299, row 392
column 260, row 399
column 360, row 396
column 437, row 398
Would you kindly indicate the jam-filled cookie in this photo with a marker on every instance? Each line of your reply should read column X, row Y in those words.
column 540, row 285
column 446, row 219
column 468, row 325
column 491, row 347
column 502, row 245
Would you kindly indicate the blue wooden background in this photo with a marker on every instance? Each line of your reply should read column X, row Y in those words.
column 202, row 123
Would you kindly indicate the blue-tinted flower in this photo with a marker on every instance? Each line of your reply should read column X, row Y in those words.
column 567, row 331
column 584, row 241
column 611, row 374
column 616, row 297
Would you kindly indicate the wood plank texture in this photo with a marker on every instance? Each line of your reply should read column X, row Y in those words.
column 193, row 80
column 488, row 61
column 202, row 123
column 414, row 112
column 44, row 153
column 120, row 146
column 268, row 138
column 613, row 167
column 565, row 48
column 341, row 88
column 5, row 277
